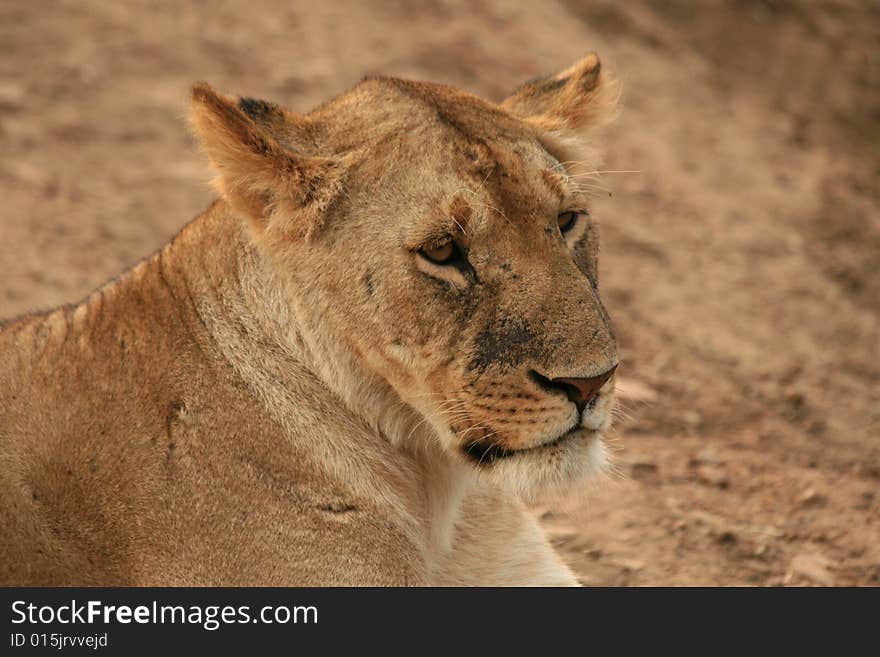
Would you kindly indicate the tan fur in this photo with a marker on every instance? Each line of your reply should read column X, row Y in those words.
column 288, row 393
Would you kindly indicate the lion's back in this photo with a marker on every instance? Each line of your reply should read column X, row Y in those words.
column 127, row 458
column 84, row 400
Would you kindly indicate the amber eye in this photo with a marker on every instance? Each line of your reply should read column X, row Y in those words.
column 441, row 254
column 567, row 220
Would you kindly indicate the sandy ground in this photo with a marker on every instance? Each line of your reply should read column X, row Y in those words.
column 741, row 258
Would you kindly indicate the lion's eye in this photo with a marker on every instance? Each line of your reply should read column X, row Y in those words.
column 567, row 220
column 441, row 254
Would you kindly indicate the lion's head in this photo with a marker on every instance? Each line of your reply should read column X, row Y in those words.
column 447, row 242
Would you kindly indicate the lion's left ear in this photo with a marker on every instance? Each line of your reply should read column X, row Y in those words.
column 568, row 104
column 262, row 172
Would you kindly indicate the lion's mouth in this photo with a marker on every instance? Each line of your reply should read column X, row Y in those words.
column 484, row 454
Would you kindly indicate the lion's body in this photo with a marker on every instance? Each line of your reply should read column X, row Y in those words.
column 134, row 452
column 346, row 371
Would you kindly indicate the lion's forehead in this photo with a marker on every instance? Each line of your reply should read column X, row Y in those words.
column 404, row 119
column 478, row 187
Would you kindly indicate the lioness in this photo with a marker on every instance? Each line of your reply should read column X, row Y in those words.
column 348, row 371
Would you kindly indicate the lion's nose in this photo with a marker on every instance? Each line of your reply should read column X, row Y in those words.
column 581, row 391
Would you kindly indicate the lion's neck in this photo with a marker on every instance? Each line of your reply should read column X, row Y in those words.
column 255, row 318
column 266, row 337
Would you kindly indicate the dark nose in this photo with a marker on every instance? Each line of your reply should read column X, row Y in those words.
column 581, row 391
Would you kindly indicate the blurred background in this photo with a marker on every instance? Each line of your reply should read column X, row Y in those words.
column 740, row 254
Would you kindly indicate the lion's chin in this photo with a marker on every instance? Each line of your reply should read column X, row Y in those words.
column 550, row 468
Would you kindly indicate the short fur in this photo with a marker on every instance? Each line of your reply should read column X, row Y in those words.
column 289, row 393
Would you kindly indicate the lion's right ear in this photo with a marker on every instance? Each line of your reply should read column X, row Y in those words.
column 256, row 174
column 567, row 106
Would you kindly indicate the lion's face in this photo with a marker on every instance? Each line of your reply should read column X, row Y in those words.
column 459, row 262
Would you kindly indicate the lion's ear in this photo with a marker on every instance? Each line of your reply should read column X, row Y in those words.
column 257, row 175
column 570, row 103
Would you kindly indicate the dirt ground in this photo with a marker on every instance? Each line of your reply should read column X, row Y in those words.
column 741, row 248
